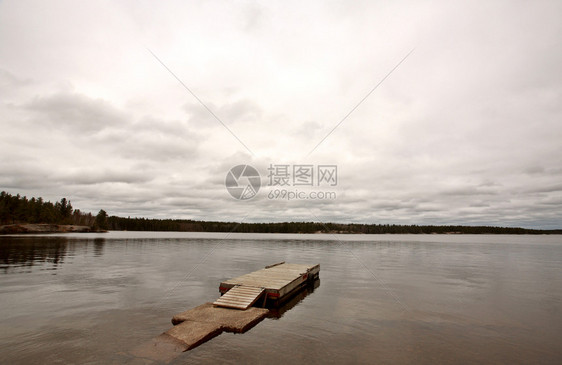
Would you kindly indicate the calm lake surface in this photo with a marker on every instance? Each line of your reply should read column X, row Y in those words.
column 91, row 298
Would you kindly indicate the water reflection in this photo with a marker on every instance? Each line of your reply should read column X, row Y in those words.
column 21, row 254
column 98, row 246
column 276, row 313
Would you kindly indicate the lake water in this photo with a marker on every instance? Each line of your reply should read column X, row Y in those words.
column 91, row 298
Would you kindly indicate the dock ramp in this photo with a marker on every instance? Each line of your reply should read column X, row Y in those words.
column 239, row 297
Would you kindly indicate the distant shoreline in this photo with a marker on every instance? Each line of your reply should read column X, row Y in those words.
column 116, row 223
column 45, row 228
column 36, row 216
column 288, row 227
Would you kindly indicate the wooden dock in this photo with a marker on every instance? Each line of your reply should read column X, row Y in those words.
column 277, row 284
column 272, row 285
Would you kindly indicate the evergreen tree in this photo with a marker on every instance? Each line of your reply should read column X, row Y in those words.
column 101, row 220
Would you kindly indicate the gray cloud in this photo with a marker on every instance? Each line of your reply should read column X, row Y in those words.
column 89, row 176
column 9, row 81
column 79, row 113
column 466, row 131
column 229, row 113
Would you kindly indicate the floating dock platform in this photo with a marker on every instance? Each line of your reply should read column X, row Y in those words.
column 270, row 286
column 236, row 311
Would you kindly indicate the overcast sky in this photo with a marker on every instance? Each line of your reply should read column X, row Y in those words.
column 466, row 130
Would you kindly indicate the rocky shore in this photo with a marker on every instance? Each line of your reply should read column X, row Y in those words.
column 44, row 228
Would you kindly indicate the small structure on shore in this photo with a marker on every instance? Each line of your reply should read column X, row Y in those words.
column 272, row 286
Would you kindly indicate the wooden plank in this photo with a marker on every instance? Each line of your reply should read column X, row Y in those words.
column 229, row 303
column 268, row 283
column 246, row 296
column 234, row 296
column 239, row 297
column 243, row 290
column 236, row 305
column 279, row 263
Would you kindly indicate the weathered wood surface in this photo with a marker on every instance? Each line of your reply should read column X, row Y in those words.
column 239, row 297
column 206, row 321
column 231, row 320
column 192, row 328
column 278, row 280
column 279, row 263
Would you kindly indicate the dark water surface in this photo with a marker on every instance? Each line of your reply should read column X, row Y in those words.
column 90, row 298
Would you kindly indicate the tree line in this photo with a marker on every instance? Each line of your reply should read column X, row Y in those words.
column 17, row 209
column 186, row 225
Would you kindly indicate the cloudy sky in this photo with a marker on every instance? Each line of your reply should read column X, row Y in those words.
column 466, row 130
